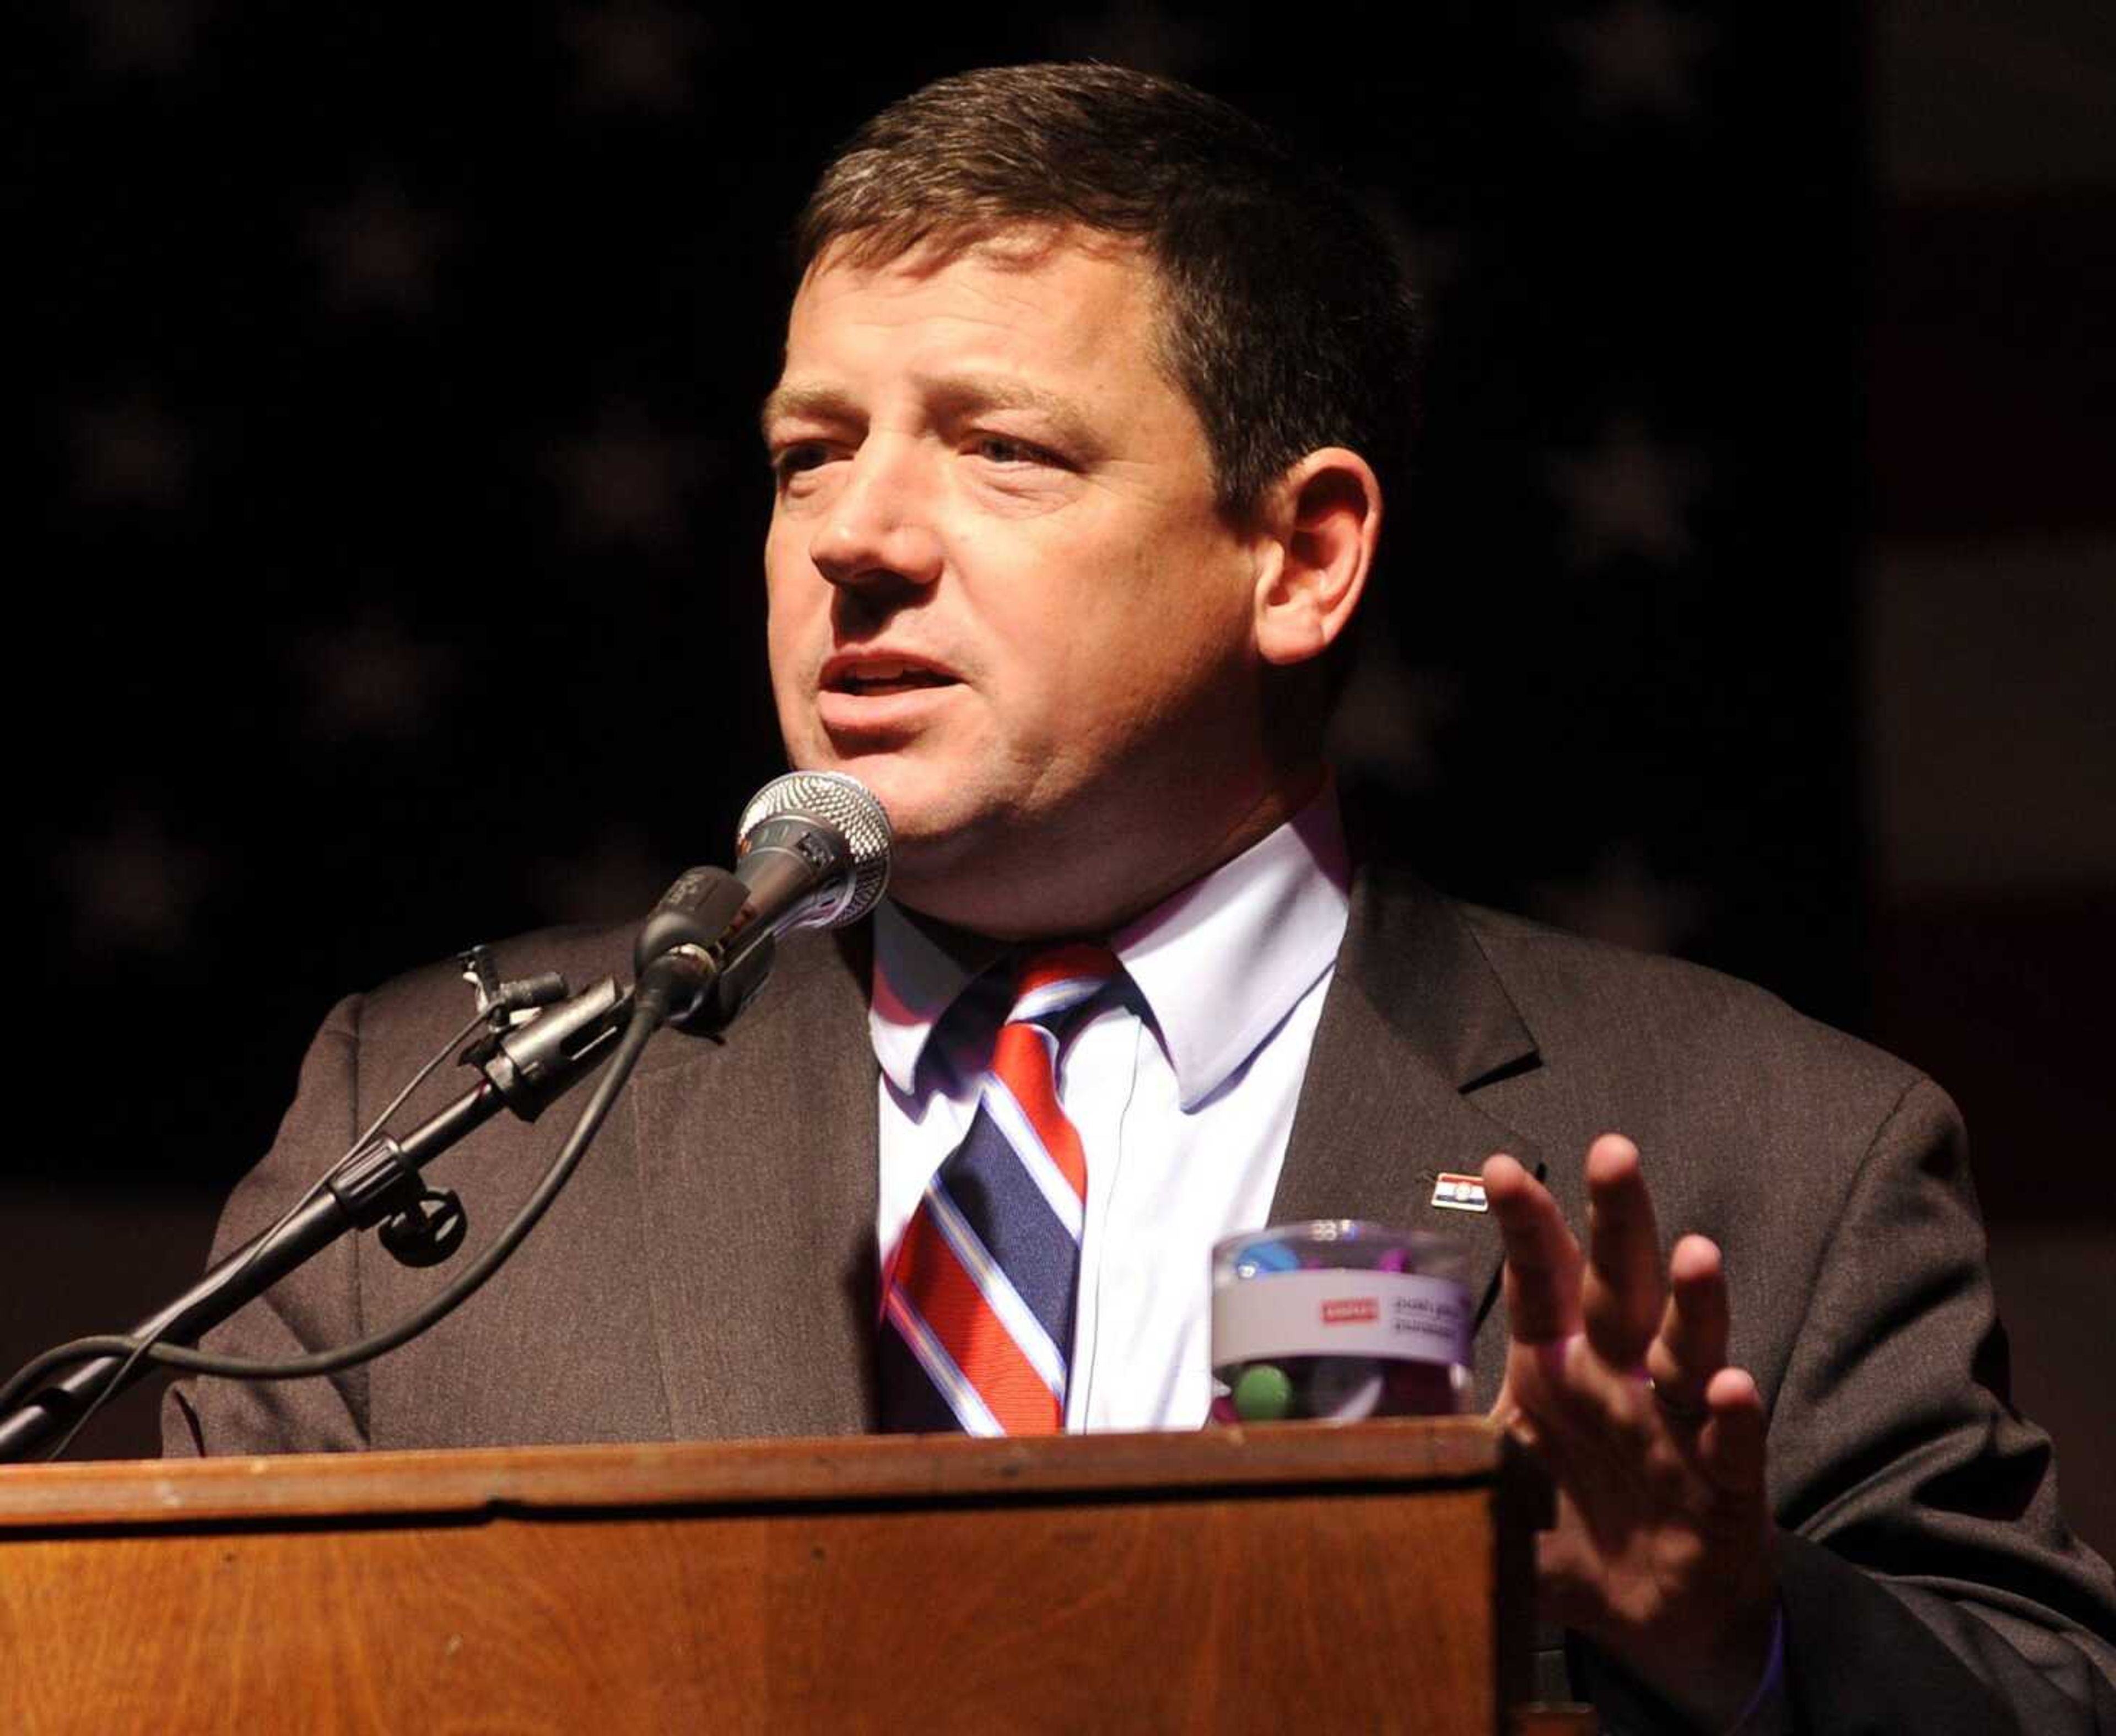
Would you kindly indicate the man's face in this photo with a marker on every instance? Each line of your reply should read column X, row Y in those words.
column 1000, row 593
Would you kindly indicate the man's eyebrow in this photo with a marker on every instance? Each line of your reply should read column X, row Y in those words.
column 821, row 403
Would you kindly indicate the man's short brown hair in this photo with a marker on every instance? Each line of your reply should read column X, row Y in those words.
column 1288, row 325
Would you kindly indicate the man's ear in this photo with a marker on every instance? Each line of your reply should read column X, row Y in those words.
column 1323, row 522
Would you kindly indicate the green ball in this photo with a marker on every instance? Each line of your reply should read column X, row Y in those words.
column 1264, row 1394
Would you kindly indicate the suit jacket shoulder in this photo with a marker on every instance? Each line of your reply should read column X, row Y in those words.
column 707, row 1272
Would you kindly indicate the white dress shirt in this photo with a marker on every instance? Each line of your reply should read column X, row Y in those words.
column 1184, row 1114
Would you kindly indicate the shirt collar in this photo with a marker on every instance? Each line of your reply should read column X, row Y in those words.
column 1220, row 964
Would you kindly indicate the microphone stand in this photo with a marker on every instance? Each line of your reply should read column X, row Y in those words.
column 524, row 1071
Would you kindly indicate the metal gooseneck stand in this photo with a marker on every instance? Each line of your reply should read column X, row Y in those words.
column 524, row 1071
column 690, row 975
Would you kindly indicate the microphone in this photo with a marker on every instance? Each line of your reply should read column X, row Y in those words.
column 812, row 851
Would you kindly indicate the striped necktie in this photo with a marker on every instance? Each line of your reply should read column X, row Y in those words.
column 976, row 1327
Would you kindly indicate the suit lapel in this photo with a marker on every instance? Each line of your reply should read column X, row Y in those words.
column 1416, row 1023
column 757, row 1174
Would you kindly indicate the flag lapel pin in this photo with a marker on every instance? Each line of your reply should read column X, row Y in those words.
column 1458, row 1193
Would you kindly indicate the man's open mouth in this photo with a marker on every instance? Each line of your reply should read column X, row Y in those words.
column 886, row 678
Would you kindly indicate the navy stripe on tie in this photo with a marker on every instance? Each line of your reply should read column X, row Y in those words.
column 911, row 1404
column 1009, row 1214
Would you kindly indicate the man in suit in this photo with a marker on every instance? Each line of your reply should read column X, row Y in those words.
column 1090, row 400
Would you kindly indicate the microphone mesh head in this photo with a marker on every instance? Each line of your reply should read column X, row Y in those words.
column 843, row 805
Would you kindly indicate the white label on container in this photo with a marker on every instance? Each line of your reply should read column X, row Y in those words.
column 1408, row 1316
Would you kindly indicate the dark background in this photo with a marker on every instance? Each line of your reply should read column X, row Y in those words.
column 388, row 577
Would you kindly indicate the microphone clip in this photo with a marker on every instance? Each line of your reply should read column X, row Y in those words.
column 501, row 1003
column 421, row 1226
column 681, row 955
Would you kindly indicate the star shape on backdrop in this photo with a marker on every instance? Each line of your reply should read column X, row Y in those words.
column 378, row 250
column 627, row 482
column 135, row 889
column 1628, row 495
column 371, row 679
column 1429, row 259
column 1638, row 57
column 1621, row 900
column 612, row 878
column 1389, row 716
column 157, row 38
column 131, row 451
column 633, row 54
column 1131, row 33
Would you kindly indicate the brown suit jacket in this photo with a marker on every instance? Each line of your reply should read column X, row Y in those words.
column 709, row 1272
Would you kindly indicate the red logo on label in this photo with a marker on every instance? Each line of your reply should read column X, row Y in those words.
column 1351, row 1310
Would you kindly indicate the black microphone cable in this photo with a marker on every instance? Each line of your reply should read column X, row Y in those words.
column 640, row 1026
column 142, row 1347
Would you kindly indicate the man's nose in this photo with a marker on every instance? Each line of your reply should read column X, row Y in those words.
column 880, row 530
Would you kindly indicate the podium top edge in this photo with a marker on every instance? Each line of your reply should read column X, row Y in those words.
column 1274, row 1460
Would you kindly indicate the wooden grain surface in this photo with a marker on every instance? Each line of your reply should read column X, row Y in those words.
column 150, row 1491
column 1322, row 1580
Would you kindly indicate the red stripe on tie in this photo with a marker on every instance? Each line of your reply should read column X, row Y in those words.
column 1060, row 964
column 935, row 1282
column 1023, row 1065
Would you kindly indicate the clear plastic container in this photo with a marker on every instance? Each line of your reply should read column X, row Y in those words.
column 1338, row 1321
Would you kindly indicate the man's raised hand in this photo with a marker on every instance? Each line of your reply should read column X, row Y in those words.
column 1617, row 1381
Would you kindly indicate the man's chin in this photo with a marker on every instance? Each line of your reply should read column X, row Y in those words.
column 923, row 807
column 973, row 869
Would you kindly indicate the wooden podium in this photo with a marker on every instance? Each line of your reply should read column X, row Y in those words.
column 1298, row 1577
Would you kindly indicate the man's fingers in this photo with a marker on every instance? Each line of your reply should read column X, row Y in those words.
column 1622, row 1304
column 1543, row 1260
column 1691, row 1347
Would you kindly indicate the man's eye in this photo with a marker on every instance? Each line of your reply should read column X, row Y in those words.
column 790, row 461
column 999, row 448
